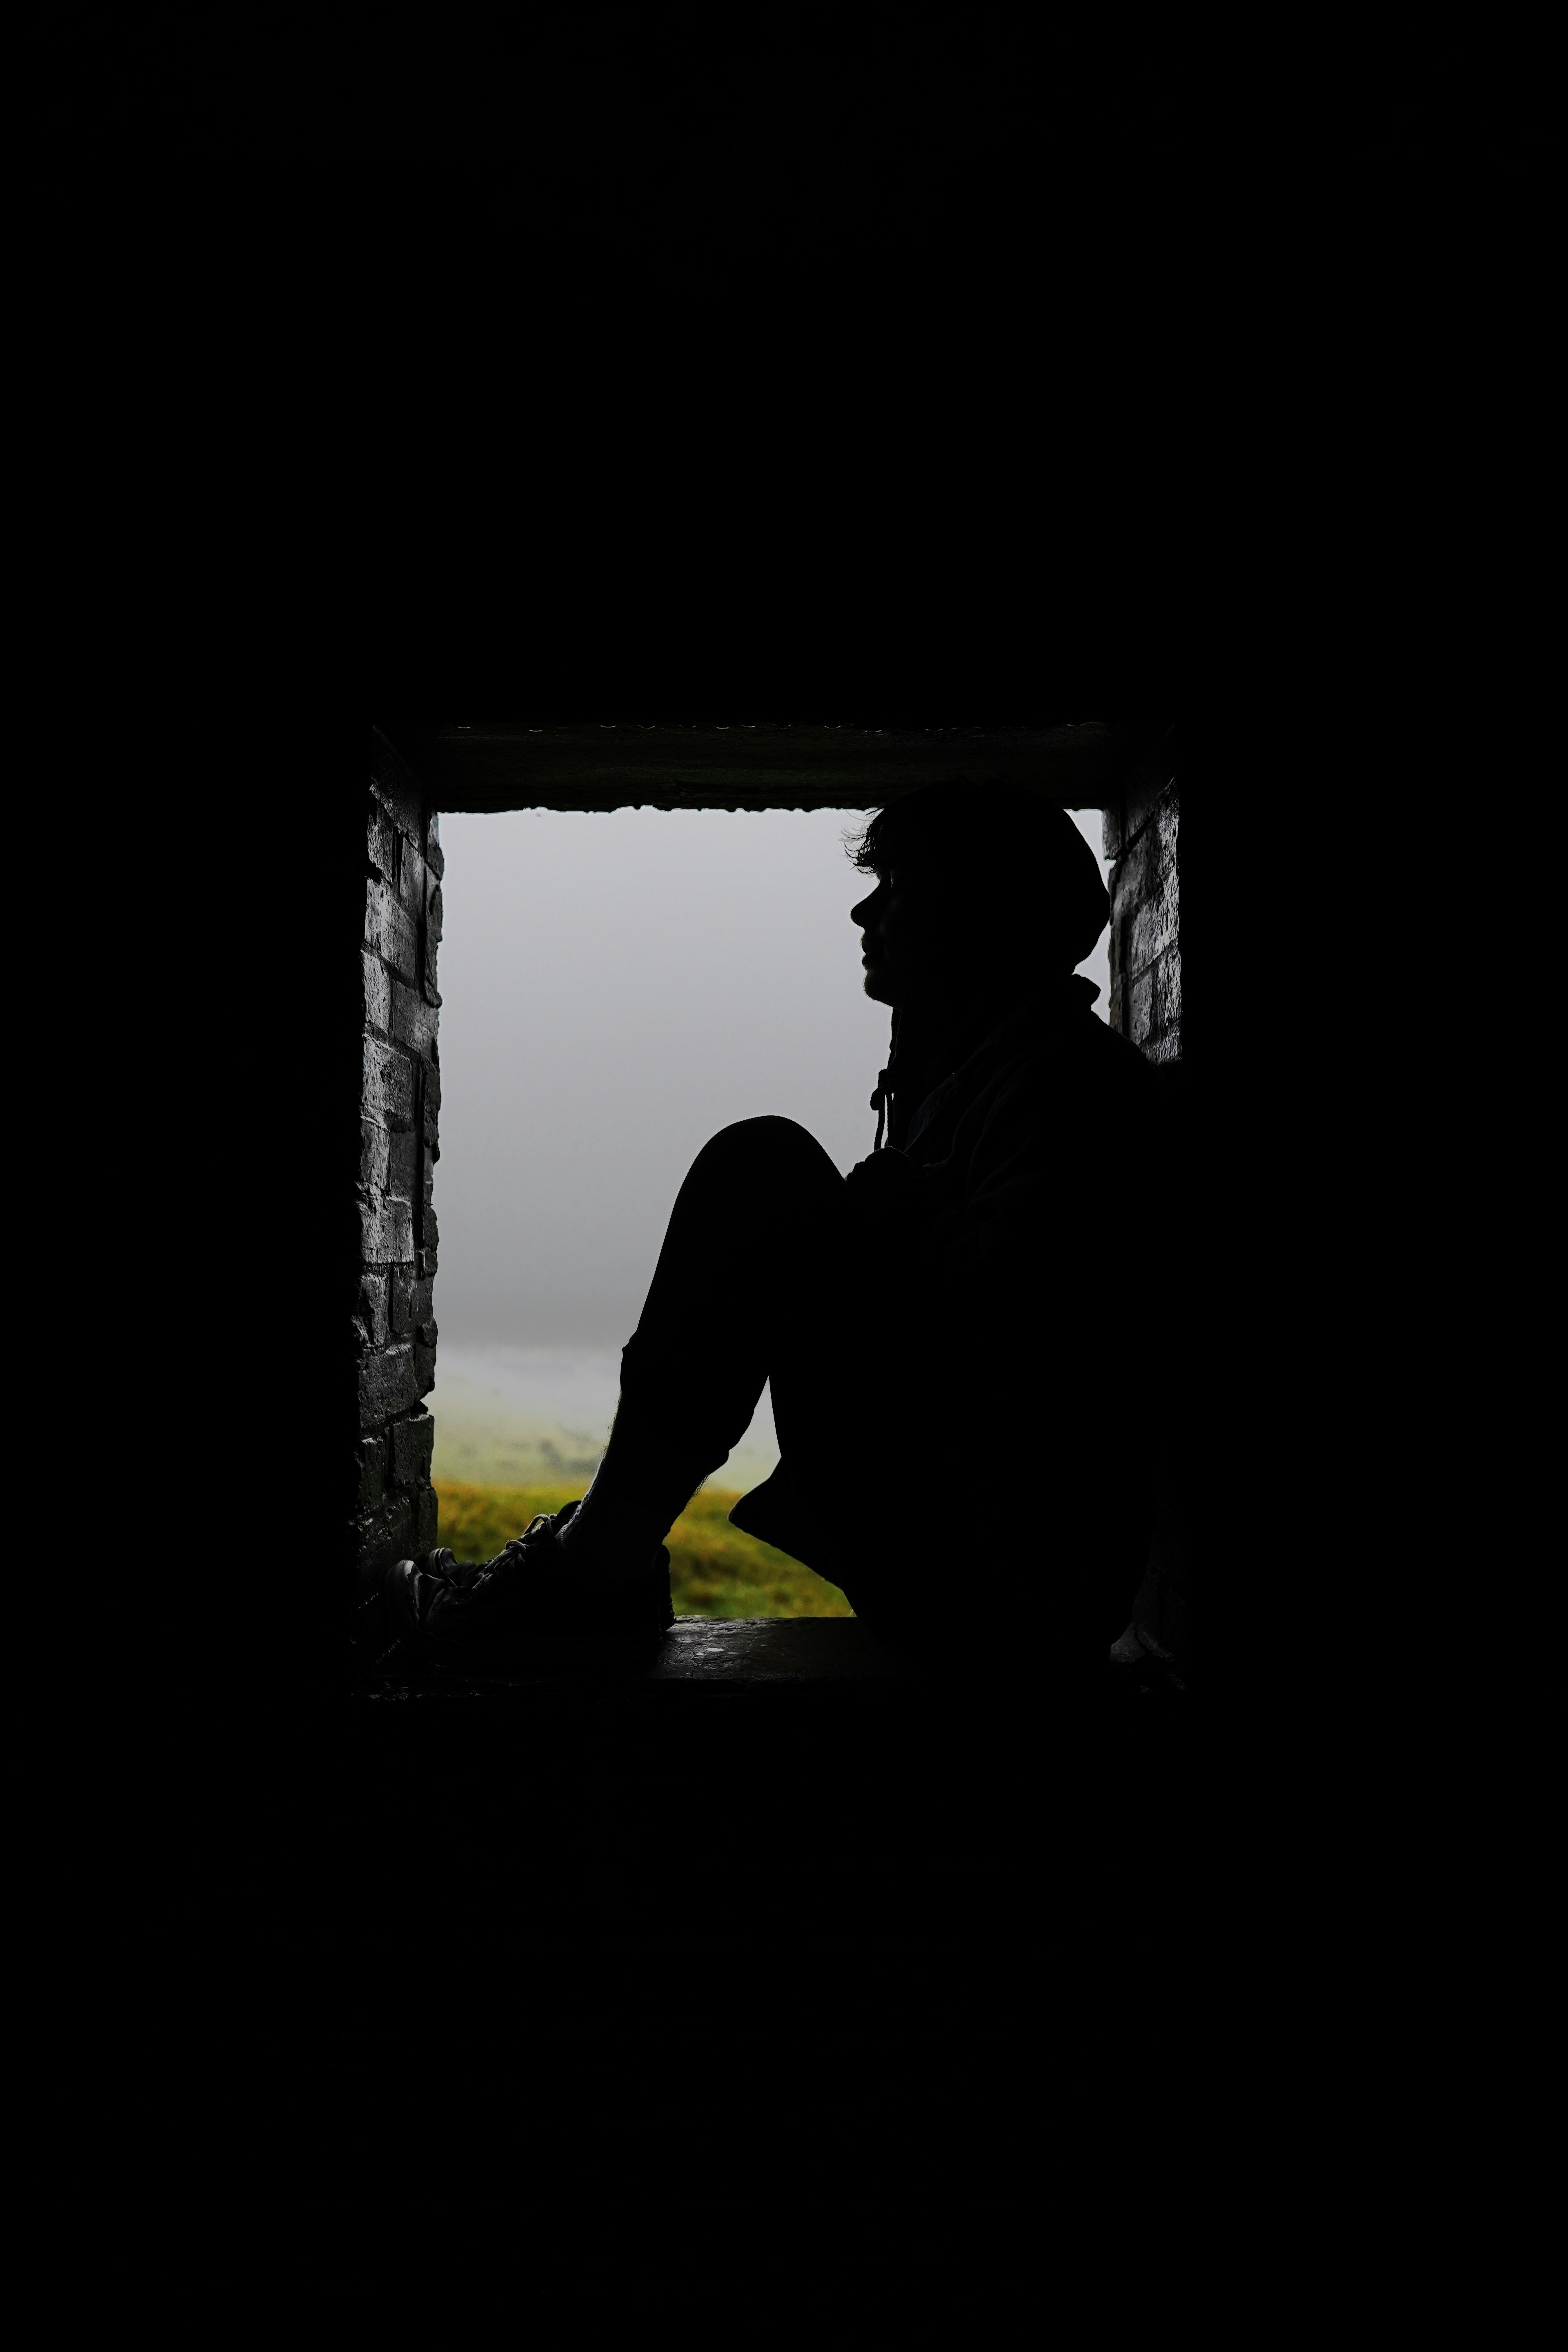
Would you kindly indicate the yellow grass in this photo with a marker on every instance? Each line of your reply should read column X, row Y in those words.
column 714, row 1570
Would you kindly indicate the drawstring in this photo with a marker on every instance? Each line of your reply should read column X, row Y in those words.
column 883, row 1097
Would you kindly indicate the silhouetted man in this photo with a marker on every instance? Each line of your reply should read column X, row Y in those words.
column 953, row 1299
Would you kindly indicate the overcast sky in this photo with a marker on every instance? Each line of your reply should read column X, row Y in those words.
column 615, row 987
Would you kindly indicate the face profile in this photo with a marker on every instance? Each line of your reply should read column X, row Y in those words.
column 902, row 941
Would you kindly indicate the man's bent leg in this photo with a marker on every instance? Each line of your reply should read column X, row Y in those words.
column 759, row 1197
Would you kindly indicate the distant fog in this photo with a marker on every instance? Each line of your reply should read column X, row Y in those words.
column 615, row 987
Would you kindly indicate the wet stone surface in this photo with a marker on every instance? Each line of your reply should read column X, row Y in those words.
column 757, row 1653
column 745, row 1653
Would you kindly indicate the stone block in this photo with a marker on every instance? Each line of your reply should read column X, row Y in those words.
column 413, row 881
column 1145, row 961
column 371, row 1311
column 374, row 1143
column 421, row 1300
column 426, row 1517
column 1169, row 819
column 433, row 857
column 413, row 1021
column 1168, row 990
column 383, row 1534
column 376, row 992
column 1120, row 970
column 372, row 1472
column 426, row 1333
column 386, row 1231
column 413, row 1441
column 1110, row 833
column 387, row 1089
column 430, row 1234
column 1156, row 922
column 433, row 914
column 390, row 931
column 1140, row 1000
column 380, row 841
column 403, row 1165
column 386, row 1386
column 423, row 1368
column 1133, row 877
column 406, row 1304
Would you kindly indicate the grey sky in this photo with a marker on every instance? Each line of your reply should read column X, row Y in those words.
column 615, row 987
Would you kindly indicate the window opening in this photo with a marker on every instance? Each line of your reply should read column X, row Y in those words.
column 616, row 987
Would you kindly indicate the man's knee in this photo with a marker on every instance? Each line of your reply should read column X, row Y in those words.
column 778, row 1146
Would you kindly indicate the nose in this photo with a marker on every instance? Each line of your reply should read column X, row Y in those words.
column 862, row 914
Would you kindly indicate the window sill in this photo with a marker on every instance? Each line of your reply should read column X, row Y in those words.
column 734, row 1652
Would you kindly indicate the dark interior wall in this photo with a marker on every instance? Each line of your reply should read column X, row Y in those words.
column 400, row 1101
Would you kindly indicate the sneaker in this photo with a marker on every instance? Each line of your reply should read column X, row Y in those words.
column 526, row 1608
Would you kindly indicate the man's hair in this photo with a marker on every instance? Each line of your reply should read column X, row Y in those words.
column 1002, row 838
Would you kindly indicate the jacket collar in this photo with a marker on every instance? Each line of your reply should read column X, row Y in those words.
column 1034, row 1017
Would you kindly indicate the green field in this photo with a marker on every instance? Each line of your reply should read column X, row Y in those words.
column 714, row 1570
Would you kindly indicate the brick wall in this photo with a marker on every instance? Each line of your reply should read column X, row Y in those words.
column 1142, row 835
column 400, row 1098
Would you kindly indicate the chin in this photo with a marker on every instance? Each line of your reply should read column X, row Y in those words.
column 876, row 987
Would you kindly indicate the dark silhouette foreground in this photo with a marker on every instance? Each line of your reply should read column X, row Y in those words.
column 943, row 1304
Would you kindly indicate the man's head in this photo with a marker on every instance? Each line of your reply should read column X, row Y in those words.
column 983, row 891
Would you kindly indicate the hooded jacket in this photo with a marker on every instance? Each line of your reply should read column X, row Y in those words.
column 998, row 1244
